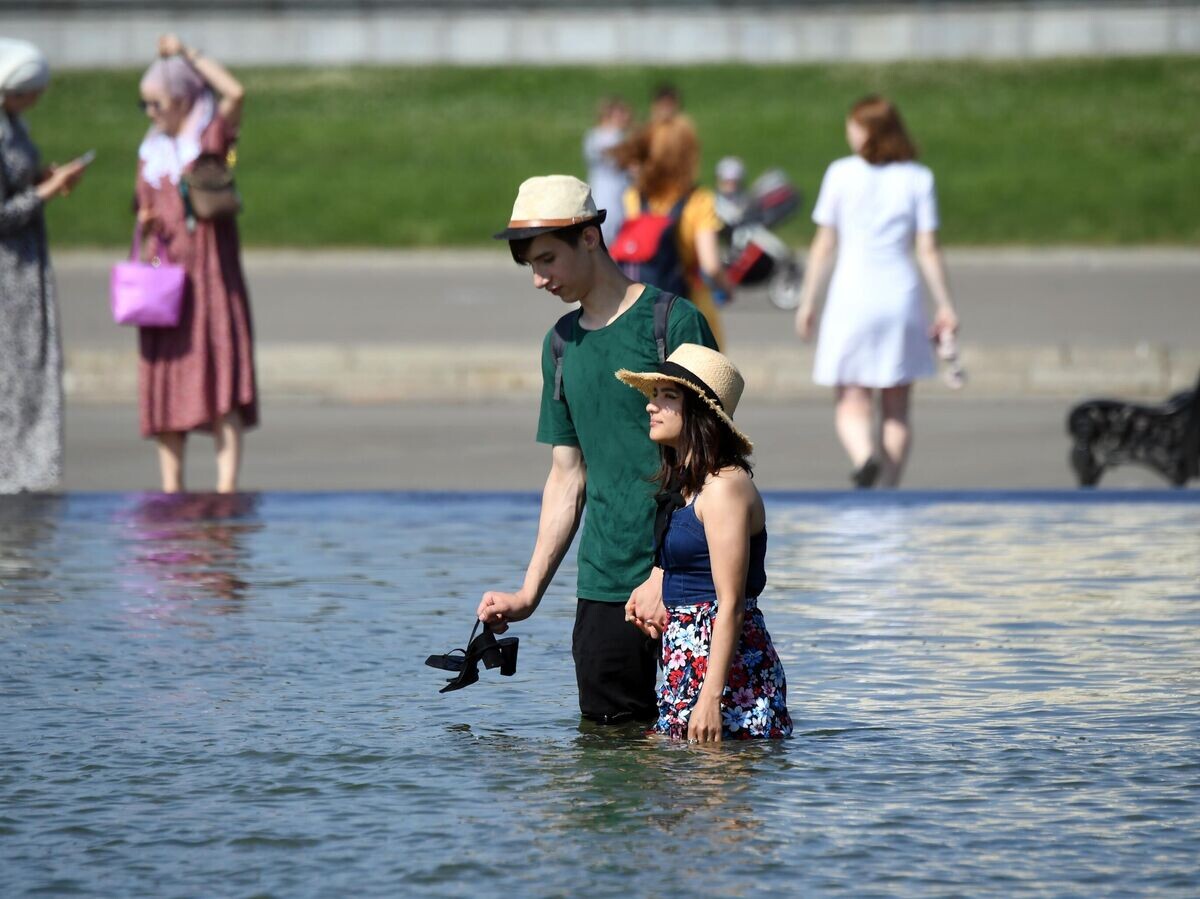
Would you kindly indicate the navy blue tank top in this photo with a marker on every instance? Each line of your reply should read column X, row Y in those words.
column 687, row 568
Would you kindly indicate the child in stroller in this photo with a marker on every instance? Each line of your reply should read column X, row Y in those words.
column 751, row 252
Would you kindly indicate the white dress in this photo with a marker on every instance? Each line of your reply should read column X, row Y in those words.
column 874, row 332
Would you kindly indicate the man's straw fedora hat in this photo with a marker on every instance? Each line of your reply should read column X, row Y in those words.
column 549, row 202
column 707, row 373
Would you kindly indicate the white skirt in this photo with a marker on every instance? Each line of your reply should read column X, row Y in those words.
column 874, row 332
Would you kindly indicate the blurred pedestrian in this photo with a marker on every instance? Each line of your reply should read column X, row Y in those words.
column 665, row 102
column 607, row 179
column 722, row 678
column 874, row 209
column 198, row 375
column 732, row 201
column 31, row 404
column 665, row 155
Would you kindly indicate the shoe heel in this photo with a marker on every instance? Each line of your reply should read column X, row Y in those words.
column 508, row 656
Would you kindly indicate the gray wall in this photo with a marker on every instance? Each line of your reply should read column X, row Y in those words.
column 83, row 35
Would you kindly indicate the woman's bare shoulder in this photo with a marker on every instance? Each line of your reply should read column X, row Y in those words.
column 731, row 485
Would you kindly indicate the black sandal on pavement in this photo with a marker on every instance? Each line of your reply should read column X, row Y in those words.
column 866, row 475
column 484, row 648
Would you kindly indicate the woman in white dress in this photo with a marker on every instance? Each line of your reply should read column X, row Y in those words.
column 877, row 223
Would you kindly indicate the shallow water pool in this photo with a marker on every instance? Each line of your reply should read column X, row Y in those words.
column 993, row 695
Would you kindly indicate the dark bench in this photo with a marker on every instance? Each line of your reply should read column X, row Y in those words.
column 1110, row 432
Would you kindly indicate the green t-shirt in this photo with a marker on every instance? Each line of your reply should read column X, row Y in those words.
column 607, row 420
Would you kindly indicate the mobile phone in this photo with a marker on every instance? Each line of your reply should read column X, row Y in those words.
column 86, row 158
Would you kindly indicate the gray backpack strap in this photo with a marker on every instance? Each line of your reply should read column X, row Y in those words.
column 564, row 330
column 662, row 318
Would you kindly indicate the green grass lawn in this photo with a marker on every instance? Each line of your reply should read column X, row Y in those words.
column 1079, row 152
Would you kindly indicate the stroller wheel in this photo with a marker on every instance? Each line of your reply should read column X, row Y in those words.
column 783, row 290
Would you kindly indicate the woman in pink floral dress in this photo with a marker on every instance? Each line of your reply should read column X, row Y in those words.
column 722, row 679
column 198, row 375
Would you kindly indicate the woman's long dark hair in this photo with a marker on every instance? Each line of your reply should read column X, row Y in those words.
column 706, row 446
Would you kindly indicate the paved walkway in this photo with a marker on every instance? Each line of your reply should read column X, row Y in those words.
column 961, row 443
column 397, row 326
column 419, row 370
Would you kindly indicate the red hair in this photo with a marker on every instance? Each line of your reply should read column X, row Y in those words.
column 887, row 138
column 666, row 157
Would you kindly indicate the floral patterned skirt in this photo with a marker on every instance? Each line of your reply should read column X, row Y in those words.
column 754, row 703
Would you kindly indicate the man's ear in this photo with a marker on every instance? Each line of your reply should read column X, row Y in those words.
column 591, row 237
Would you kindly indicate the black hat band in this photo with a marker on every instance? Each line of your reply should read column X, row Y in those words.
column 675, row 370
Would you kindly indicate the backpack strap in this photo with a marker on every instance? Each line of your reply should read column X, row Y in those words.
column 564, row 330
column 677, row 210
column 662, row 318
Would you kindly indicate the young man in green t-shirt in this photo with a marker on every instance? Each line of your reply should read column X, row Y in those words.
column 601, row 456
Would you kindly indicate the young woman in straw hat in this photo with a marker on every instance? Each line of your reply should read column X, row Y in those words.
column 722, row 676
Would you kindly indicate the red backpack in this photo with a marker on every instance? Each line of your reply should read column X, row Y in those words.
column 647, row 248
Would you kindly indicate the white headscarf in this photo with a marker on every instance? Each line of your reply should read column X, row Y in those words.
column 164, row 155
column 23, row 68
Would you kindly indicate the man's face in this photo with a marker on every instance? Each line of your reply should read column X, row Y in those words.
column 564, row 270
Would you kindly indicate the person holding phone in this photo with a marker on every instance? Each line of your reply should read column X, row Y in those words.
column 31, row 403
column 198, row 375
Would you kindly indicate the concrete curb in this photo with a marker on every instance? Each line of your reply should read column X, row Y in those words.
column 396, row 372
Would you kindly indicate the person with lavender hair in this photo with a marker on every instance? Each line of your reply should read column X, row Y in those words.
column 198, row 375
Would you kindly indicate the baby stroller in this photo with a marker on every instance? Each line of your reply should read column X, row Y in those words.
column 750, row 251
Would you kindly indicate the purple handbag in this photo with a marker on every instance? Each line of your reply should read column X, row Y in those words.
column 146, row 294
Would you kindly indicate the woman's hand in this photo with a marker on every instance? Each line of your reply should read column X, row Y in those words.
column 805, row 319
column 704, row 724
column 648, row 615
column 169, row 45
column 147, row 222
column 60, row 180
column 645, row 609
column 944, row 321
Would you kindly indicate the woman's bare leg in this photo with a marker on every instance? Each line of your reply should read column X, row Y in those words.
column 897, row 434
column 227, row 434
column 852, row 418
column 171, row 445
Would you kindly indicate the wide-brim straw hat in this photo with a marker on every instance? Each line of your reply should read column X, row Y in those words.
column 550, row 202
column 706, row 373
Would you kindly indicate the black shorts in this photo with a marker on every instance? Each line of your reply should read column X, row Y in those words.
column 615, row 664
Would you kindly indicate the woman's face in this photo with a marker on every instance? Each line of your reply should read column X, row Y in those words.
column 856, row 135
column 666, row 414
column 166, row 113
column 18, row 103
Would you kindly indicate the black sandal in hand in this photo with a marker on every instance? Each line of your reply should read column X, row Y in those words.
column 493, row 653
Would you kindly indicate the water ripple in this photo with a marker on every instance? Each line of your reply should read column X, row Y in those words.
column 994, row 695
